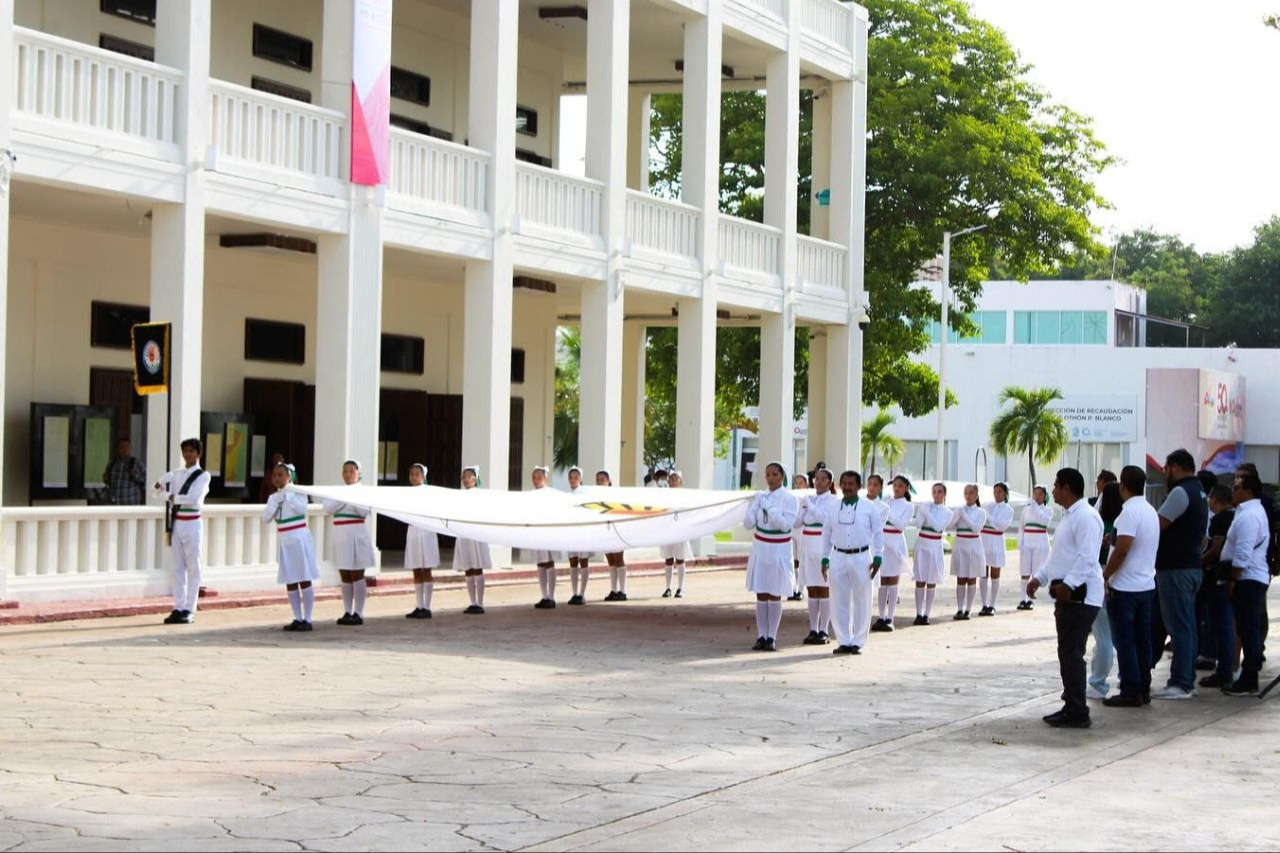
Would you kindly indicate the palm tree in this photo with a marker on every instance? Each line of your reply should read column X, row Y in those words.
column 1029, row 426
column 568, row 361
column 876, row 439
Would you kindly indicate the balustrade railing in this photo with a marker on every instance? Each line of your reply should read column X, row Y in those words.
column 274, row 133
column 552, row 199
column 435, row 171
column 820, row 264
column 662, row 225
column 829, row 20
column 750, row 246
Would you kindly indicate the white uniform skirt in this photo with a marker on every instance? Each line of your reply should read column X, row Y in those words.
column 421, row 549
column 540, row 557
column 929, row 566
column 297, row 553
column 769, row 568
column 993, row 549
column 967, row 559
column 680, row 552
column 470, row 554
column 352, row 546
column 1031, row 559
column 811, row 561
column 896, row 564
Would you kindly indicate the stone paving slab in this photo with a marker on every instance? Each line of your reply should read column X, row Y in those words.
column 641, row 726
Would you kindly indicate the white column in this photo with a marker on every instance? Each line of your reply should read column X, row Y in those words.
column 349, row 292
column 6, row 143
column 781, row 166
column 177, row 231
column 700, row 186
column 816, row 439
column 486, row 372
column 638, row 148
column 848, row 223
column 634, row 354
column 600, row 404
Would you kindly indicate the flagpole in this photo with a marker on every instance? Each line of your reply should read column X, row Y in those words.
column 168, row 429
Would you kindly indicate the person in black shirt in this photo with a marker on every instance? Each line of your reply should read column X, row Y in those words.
column 1184, row 519
column 1221, row 620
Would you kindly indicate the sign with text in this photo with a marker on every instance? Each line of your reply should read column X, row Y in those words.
column 1222, row 402
column 371, row 92
column 1099, row 418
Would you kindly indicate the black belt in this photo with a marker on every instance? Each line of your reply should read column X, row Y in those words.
column 862, row 550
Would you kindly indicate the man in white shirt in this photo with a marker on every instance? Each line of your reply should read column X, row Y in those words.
column 1074, row 579
column 1130, row 577
column 1246, row 551
column 853, row 542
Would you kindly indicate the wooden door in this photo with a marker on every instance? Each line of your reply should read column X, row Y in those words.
column 402, row 418
column 284, row 412
column 515, row 446
column 109, row 387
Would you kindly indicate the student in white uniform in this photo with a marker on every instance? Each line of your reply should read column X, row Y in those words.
column 1033, row 540
column 875, row 495
column 999, row 517
column 799, row 483
column 678, row 554
column 472, row 557
column 929, row 566
column 579, row 561
column 186, row 489
column 809, row 521
column 617, row 560
column 771, row 515
column 421, row 554
column 352, row 548
column 853, row 542
column 295, row 548
column 896, row 563
column 545, row 560
column 967, row 557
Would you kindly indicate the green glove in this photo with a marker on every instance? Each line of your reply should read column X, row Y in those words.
column 876, row 561
column 826, row 562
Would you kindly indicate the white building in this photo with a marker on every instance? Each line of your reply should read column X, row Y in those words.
column 202, row 179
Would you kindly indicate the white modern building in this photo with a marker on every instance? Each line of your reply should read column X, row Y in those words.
column 187, row 161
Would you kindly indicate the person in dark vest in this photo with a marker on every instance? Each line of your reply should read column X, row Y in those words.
column 1184, row 520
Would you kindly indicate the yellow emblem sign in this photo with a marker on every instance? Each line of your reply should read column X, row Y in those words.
column 611, row 508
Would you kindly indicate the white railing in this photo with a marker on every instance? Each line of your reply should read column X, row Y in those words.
column 78, row 541
column 553, row 199
column 776, row 8
column 820, row 264
column 66, row 81
column 750, row 246
column 274, row 133
column 829, row 20
column 438, row 172
column 662, row 225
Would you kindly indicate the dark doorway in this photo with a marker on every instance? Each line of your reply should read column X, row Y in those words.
column 285, row 412
column 402, row 419
column 515, row 453
column 110, row 387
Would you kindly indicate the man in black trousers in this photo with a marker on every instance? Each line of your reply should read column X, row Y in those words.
column 1074, row 579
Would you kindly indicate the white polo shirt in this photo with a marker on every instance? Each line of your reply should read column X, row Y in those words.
column 1140, row 520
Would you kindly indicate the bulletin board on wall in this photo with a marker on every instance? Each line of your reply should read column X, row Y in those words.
column 70, row 449
column 232, row 454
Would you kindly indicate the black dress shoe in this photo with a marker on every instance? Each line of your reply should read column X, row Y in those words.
column 1121, row 701
column 416, row 613
column 426, row 614
column 888, row 626
column 622, row 596
column 877, row 626
column 173, row 618
column 842, row 650
column 679, row 593
column 292, row 626
column 474, row 610
column 1215, row 680
column 577, row 601
column 770, row 645
column 759, row 646
column 304, row 626
column 811, row 640
column 344, row 619
column 823, row 639
column 667, row 593
column 959, row 617
column 795, row 597
column 1071, row 722
column 1056, row 715
column 186, row 617
column 987, row 611
column 855, row 650
column 1031, row 605
column 613, row 596
column 356, row 619
column 1241, row 688
column 544, row 604
column 965, row 617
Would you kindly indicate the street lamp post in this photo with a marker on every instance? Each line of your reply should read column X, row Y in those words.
column 942, row 345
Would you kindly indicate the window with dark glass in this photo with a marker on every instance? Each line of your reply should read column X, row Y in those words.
column 142, row 11
column 284, row 90
column 403, row 354
column 110, row 323
column 527, row 156
column 272, row 340
column 410, row 86
column 278, row 46
column 115, row 44
column 526, row 121
column 517, row 366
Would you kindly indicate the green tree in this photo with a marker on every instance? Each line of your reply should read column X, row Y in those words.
column 1244, row 306
column 877, row 440
column 1029, row 426
column 564, row 441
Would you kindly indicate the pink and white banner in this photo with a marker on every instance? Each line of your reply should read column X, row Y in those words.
column 371, row 92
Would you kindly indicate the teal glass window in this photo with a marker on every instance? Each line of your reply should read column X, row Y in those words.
column 1060, row 327
column 1047, row 328
column 1022, row 327
column 1070, row 329
column 1095, row 327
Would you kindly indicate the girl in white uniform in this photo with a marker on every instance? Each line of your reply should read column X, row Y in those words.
column 546, row 560
column 929, row 566
column 999, row 517
column 472, row 557
column 579, row 572
column 352, row 548
column 896, row 564
column 800, row 483
column 617, row 560
column 422, row 554
column 875, row 497
column 676, row 555
column 1033, row 540
column 772, row 515
column 809, row 520
column 968, row 562
column 295, row 548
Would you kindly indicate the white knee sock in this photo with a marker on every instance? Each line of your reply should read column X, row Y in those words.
column 984, row 587
column 551, row 584
column 994, row 592
column 670, row 571
column 348, row 595
column 542, row 582
column 775, row 619
column 480, row 590
column 1026, row 579
column 361, row 590
column 919, row 601
column 417, row 594
column 622, row 579
column 471, row 589
column 680, row 575
column 308, row 602
column 613, row 579
column 584, row 576
column 890, row 602
column 961, row 593
column 295, row 602
column 814, row 614
column 971, row 592
column 762, row 618
column 427, row 588
column 929, row 594
column 824, row 615
column 882, row 600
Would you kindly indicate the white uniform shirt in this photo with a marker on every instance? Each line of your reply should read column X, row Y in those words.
column 813, row 510
column 969, row 521
column 901, row 512
column 1246, row 546
column 1036, row 517
column 934, row 519
column 853, row 526
column 1074, row 556
column 189, row 504
column 999, row 516
column 1138, row 571
column 772, row 513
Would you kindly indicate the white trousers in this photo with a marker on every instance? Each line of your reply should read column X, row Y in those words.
column 851, row 597
column 186, row 565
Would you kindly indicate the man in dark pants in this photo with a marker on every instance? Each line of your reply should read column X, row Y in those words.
column 1131, row 584
column 1074, row 578
column 1184, row 521
column 1246, row 551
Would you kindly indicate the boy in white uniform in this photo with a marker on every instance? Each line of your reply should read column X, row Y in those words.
column 799, row 483
column 545, row 560
column 853, row 540
column 676, row 555
column 617, row 560
column 810, row 521
column 470, row 556
column 421, row 554
column 896, row 563
column 999, row 517
column 967, row 557
column 771, row 516
column 295, row 548
column 929, row 566
column 1033, row 540
column 579, row 561
column 186, row 489
column 352, row 546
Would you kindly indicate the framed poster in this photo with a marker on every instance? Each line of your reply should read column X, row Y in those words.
column 213, row 453
column 69, row 449
column 56, row 472
column 97, row 451
column 258, row 457
column 236, row 468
